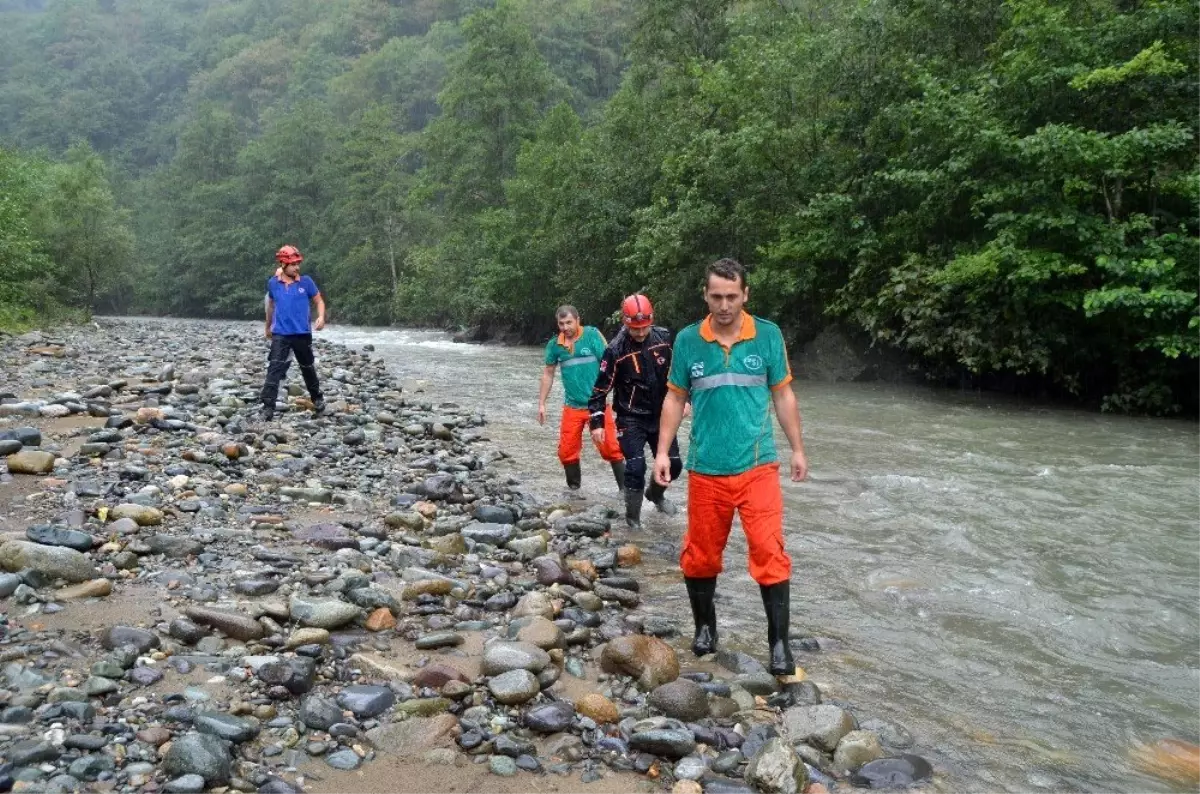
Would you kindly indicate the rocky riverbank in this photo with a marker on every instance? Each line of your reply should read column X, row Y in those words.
column 197, row 600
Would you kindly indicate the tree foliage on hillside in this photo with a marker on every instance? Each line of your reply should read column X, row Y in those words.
column 996, row 189
column 64, row 242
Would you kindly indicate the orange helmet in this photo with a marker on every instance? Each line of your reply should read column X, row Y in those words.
column 289, row 254
column 637, row 312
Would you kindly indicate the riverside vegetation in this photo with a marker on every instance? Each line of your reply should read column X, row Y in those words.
column 1004, row 192
column 195, row 600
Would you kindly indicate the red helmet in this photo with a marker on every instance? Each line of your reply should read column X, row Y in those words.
column 289, row 254
column 637, row 312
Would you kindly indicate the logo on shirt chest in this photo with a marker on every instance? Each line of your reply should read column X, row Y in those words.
column 697, row 369
column 753, row 362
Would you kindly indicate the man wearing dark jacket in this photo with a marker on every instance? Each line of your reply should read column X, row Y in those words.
column 635, row 367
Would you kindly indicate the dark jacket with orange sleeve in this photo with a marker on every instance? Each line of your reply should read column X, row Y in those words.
column 636, row 374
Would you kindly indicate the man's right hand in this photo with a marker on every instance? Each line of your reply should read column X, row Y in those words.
column 542, row 414
column 267, row 331
column 662, row 470
column 598, row 436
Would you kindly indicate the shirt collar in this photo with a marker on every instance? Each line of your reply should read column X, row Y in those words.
column 569, row 344
column 748, row 330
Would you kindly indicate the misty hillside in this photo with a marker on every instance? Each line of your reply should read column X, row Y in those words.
column 1001, row 192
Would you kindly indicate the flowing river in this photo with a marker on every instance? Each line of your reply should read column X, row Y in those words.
column 1017, row 585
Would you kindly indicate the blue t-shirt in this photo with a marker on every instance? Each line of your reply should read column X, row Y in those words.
column 291, row 304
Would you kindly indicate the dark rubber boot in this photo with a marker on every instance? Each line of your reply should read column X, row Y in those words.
column 701, row 593
column 633, row 508
column 574, row 475
column 618, row 468
column 777, row 602
column 657, row 494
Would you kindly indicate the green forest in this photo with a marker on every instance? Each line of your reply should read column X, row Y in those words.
column 1002, row 191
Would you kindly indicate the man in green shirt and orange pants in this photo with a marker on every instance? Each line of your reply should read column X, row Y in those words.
column 734, row 368
column 577, row 351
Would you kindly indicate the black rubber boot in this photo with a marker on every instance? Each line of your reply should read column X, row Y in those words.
column 777, row 602
column 657, row 494
column 618, row 468
column 633, row 508
column 704, row 612
column 574, row 475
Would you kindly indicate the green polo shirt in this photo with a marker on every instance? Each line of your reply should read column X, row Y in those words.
column 579, row 361
column 731, row 394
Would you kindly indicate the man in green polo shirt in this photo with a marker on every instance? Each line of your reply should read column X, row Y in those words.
column 577, row 351
column 734, row 368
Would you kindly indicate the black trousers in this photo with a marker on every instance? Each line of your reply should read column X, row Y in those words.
column 634, row 434
column 283, row 347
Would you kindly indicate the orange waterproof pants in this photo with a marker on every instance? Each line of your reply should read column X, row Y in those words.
column 758, row 499
column 575, row 424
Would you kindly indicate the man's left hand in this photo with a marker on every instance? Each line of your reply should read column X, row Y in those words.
column 320, row 323
column 598, row 436
column 799, row 466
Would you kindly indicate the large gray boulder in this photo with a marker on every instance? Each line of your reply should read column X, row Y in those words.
column 821, row 726
column 56, row 562
column 199, row 754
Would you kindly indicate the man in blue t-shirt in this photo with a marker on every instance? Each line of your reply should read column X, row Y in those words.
column 289, row 295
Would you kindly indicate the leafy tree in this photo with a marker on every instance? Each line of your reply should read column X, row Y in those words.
column 200, row 254
column 404, row 74
column 367, row 227
column 26, row 273
column 87, row 235
column 491, row 102
column 1033, row 245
